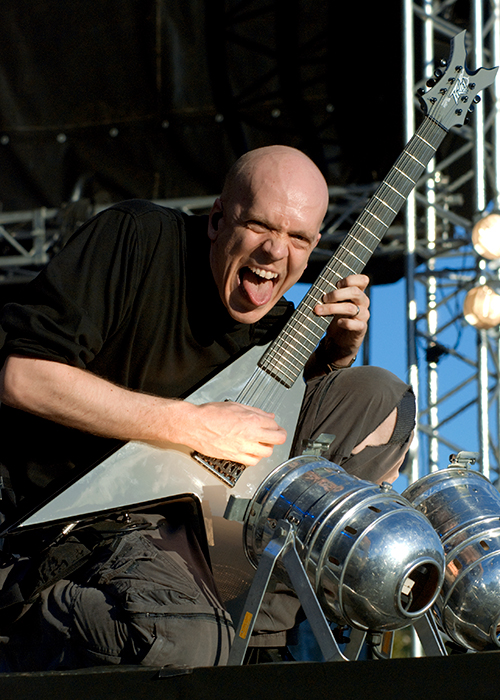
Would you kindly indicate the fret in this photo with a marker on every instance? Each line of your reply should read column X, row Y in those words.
column 286, row 351
column 360, row 242
column 290, row 337
column 395, row 191
column 299, row 326
column 349, row 269
column 385, row 203
column 311, row 320
column 302, row 335
column 377, row 218
column 321, row 278
column 350, row 252
column 421, row 138
column 368, row 231
column 406, row 185
column 404, row 174
column 287, row 366
column 422, row 165
column 285, row 378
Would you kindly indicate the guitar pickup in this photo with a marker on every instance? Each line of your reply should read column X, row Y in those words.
column 226, row 470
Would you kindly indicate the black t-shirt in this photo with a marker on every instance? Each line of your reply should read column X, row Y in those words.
column 131, row 298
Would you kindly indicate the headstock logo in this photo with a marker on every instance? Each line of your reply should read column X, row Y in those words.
column 460, row 87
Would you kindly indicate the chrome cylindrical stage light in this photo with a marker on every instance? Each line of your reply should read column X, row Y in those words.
column 374, row 562
column 464, row 508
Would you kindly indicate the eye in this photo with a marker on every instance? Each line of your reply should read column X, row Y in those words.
column 258, row 226
column 299, row 240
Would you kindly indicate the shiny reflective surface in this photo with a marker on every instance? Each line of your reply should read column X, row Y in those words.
column 464, row 508
column 374, row 561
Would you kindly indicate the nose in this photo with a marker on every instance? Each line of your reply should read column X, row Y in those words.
column 275, row 246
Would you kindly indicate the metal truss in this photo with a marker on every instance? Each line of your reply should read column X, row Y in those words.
column 28, row 239
column 453, row 368
column 25, row 242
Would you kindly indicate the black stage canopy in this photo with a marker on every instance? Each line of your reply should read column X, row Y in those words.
column 104, row 100
column 156, row 98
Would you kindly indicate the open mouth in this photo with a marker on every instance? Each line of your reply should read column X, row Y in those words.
column 258, row 284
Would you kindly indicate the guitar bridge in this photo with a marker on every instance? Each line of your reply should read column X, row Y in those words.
column 229, row 472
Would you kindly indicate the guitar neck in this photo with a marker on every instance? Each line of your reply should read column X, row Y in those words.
column 286, row 356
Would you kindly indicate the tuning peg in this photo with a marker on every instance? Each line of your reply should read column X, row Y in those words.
column 421, row 91
column 431, row 82
column 438, row 73
column 471, row 109
column 477, row 99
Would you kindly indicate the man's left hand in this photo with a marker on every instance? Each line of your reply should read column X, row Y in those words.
column 348, row 304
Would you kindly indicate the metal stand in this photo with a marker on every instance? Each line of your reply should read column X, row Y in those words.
column 282, row 547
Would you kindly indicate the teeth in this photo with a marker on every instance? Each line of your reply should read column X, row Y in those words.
column 265, row 274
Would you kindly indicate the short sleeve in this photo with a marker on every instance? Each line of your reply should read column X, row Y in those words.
column 81, row 297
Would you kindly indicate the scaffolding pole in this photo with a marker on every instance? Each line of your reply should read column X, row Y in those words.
column 453, row 367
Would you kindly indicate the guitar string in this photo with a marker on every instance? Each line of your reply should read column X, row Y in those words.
column 386, row 201
column 408, row 163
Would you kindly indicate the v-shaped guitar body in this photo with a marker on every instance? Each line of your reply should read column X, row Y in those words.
column 140, row 472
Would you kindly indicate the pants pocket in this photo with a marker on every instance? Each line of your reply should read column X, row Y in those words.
column 145, row 578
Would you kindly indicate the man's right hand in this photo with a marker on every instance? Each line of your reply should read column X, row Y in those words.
column 82, row 400
column 232, row 431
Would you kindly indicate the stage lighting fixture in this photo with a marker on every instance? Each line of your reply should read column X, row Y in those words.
column 486, row 236
column 482, row 307
column 464, row 508
column 374, row 561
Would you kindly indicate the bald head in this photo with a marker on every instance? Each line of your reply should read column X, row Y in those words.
column 279, row 168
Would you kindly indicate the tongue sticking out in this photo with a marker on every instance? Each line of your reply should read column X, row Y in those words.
column 257, row 289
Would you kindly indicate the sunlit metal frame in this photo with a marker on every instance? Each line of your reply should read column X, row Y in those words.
column 438, row 232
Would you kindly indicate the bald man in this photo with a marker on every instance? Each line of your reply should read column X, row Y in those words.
column 138, row 308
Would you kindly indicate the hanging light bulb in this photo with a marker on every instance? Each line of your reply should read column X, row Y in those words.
column 482, row 307
column 486, row 236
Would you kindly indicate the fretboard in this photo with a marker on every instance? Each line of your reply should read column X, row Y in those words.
column 286, row 356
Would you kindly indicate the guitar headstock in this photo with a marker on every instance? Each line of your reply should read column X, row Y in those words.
column 456, row 88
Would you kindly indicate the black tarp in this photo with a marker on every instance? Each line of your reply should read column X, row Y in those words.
column 156, row 98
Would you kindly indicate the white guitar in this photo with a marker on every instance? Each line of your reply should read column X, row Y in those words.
column 139, row 472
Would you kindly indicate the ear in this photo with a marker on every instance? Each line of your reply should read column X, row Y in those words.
column 214, row 218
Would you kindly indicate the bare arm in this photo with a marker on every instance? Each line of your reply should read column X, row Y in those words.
column 82, row 400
